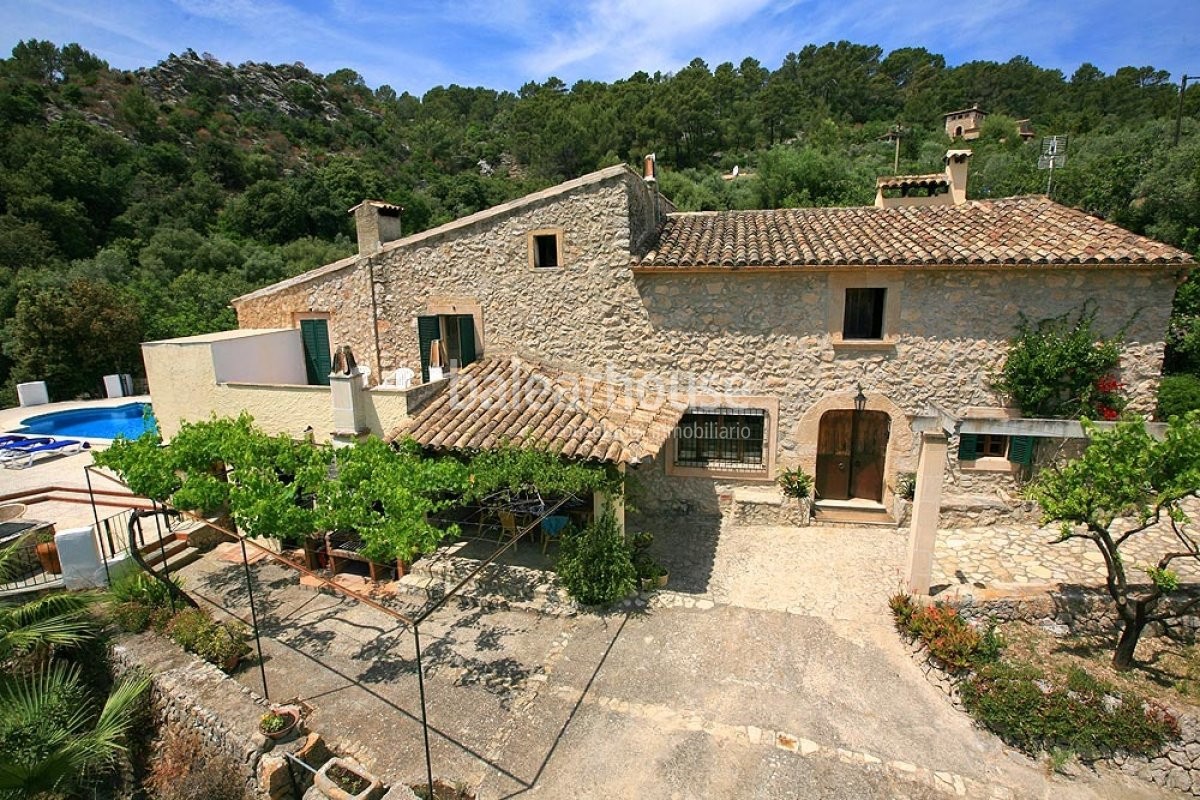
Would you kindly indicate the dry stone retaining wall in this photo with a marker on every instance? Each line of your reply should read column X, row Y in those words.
column 1068, row 610
column 189, row 695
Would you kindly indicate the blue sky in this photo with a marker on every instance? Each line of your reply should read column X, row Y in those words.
column 416, row 44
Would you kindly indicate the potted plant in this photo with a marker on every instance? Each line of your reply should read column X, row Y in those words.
column 343, row 779
column 904, row 491
column 280, row 722
column 651, row 574
column 47, row 552
column 797, row 485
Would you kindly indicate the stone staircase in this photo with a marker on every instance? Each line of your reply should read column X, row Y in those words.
column 851, row 514
column 171, row 554
column 496, row 586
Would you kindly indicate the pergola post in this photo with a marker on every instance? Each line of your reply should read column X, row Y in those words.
column 603, row 500
column 927, row 507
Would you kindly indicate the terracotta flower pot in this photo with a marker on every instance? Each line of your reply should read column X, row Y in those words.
column 47, row 553
column 287, row 730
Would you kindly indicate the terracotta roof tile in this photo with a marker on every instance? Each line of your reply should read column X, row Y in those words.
column 517, row 400
column 933, row 179
column 1015, row 230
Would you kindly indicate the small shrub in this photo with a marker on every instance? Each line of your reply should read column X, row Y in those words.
column 795, row 483
column 948, row 636
column 906, row 485
column 215, row 642
column 1177, row 395
column 646, row 566
column 138, row 587
column 131, row 617
column 596, row 564
column 1025, row 708
column 186, row 768
column 903, row 608
column 188, row 627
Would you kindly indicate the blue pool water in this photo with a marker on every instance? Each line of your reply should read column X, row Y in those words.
column 129, row 420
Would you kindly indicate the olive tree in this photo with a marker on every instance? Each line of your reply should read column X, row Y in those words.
column 1123, row 484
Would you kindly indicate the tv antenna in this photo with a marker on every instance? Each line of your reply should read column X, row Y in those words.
column 1054, row 156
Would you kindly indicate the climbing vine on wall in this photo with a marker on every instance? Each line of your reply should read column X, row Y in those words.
column 1061, row 368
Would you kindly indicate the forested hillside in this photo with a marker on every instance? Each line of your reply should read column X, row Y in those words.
column 134, row 205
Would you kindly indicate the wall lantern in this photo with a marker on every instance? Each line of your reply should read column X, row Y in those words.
column 860, row 399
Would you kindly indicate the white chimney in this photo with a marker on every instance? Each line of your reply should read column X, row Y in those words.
column 956, row 162
column 376, row 223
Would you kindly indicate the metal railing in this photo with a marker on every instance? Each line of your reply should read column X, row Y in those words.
column 24, row 568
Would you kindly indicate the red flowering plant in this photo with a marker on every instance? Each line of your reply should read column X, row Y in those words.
column 1107, row 397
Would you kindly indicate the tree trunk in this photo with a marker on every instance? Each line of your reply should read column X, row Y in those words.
column 1123, row 657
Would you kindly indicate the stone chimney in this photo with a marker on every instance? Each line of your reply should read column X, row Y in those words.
column 956, row 162
column 377, row 223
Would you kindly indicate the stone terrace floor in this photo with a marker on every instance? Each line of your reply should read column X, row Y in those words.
column 771, row 670
column 1024, row 554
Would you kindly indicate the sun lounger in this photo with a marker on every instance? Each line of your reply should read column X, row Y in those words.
column 24, row 457
column 13, row 441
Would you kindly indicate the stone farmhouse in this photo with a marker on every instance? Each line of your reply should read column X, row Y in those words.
column 967, row 124
column 705, row 351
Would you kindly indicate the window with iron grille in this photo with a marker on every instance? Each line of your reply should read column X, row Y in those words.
column 722, row 438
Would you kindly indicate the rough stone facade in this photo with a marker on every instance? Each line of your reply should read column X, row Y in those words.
column 766, row 334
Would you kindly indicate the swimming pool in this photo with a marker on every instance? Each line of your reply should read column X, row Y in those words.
column 129, row 420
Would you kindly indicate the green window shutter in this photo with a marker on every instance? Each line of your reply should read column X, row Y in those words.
column 1020, row 450
column 428, row 329
column 968, row 447
column 318, row 361
column 466, row 339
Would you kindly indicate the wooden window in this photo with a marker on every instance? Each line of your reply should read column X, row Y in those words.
column 318, row 360
column 864, row 313
column 455, row 334
column 722, row 438
column 974, row 446
column 992, row 445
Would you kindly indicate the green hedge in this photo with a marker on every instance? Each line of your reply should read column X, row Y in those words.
column 1177, row 395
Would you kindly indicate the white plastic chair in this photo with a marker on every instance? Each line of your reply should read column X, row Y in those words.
column 404, row 377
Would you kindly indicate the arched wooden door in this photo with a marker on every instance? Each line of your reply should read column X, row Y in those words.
column 851, row 448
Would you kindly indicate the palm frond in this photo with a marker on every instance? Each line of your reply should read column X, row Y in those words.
column 50, row 605
column 104, row 741
column 74, row 748
column 64, row 630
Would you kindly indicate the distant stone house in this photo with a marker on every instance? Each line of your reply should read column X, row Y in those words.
column 967, row 124
column 744, row 341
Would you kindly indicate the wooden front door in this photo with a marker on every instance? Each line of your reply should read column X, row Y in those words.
column 851, row 447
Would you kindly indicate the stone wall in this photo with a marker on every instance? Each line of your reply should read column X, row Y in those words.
column 732, row 332
column 1064, row 610
column 192, row 696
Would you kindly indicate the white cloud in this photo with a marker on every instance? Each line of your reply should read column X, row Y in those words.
column 622, row 36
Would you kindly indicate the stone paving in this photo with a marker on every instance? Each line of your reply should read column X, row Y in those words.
column 768, row 673
column 1014, row 554
column 836, row 573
